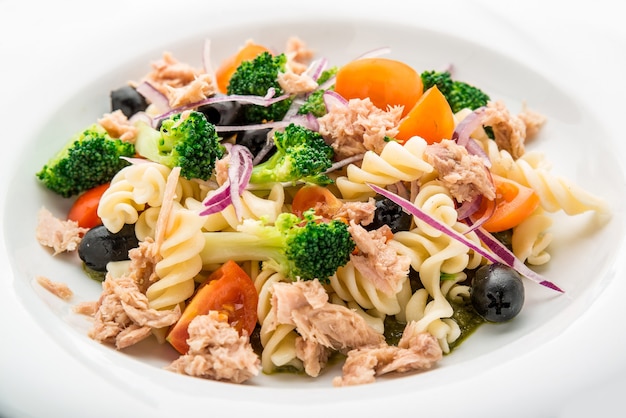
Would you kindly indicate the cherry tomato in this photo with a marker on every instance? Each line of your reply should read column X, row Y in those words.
column 312, row 196
column 431, row 118
column 513, row 203
column 228, row 290
column 85, row 208
column 385, row 81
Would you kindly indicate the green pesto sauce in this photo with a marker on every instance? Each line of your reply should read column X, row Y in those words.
column 95, row 275
column 464, row 315
column 468, row 321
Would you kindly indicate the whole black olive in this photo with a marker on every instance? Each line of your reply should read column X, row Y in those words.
column 99, row 246
column 497, row 292
column 128, row 100
column 389, row 213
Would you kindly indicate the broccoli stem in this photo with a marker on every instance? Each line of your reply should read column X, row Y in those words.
column 241, row 246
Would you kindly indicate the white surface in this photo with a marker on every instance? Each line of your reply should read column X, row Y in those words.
column 576, row 374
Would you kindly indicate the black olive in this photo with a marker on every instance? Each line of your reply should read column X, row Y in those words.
column 99, row 246
column 254, row 140
column 497, row 292
column 222, row 113
column 128, row 100
column 389, row 213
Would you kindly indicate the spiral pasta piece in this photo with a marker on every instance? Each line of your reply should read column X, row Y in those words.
column 146, row 223
column 555, row 192
column 351, row 286
column 433, row 253
column 181, row 261
column 531, row 239
column 278, row 340
column 396, row 162
column 374, row 318
column 134, row 188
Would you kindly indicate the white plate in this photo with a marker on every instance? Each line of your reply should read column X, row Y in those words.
column 560, row 348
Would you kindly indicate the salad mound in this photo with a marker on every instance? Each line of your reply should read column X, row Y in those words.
column 283, row 212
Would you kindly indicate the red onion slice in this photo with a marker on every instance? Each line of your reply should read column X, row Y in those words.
column 333, row 99
column 229, row 193
column 500, row 254
column 154, row 96
column 507, row 257
column 463, row 131
column 264, row 101
column 316, row 68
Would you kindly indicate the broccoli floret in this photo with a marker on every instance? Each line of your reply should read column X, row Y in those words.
column 186, row 140
column 460, row 95
column 89, row 159
column 314, row 103
column 301, row 155
column 256, row 77
column 300, row 248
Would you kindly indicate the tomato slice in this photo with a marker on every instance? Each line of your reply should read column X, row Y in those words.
column 514, row 202
column 385, row 81
column 226, row 69
column 228, row 290
column 431, row 118
column 85, row 208
column 313, row 196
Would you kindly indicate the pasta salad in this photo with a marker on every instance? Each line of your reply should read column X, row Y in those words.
column 280, row 212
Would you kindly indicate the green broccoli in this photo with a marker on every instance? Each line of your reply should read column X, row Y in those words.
column 89, row 159
column 300, row 248
column 301, row 155
column 186, row 140
column 314, row 103
column 460, row 95
column 256, row 77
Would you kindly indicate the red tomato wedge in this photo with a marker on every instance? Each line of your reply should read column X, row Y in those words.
column 514, row 202
column 228, row 290
column 311, row 197
column 85, row 208
column 226, row 69
column 431, row 118
column 385, row 81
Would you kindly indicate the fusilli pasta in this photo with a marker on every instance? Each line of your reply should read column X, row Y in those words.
column 395, row 163
column 181, row 262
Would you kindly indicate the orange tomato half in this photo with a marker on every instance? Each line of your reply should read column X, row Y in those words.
column 514, row 203
column 431, row 118
column 385, row 81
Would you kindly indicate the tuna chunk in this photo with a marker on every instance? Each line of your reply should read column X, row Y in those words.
column 415, row 351
column 217, row 351
column 358, row 127
column 305, row 305
column 377, row 261
column 60, row 290
column 463, row 174
column 60, row 235
column 509, row 130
